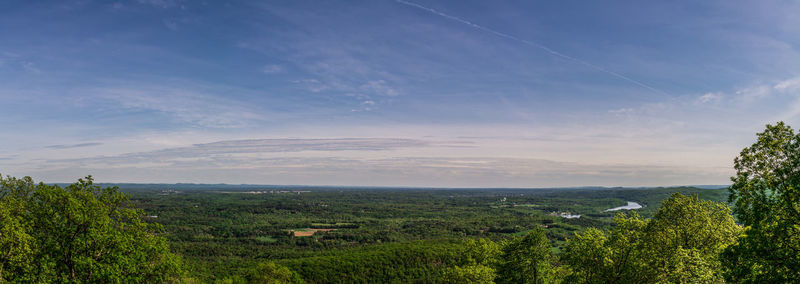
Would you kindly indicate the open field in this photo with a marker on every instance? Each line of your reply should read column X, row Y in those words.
column 308, row 232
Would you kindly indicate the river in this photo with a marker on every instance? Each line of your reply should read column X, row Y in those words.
column 630, row 206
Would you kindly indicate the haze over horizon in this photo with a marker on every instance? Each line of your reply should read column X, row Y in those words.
column 393, row 93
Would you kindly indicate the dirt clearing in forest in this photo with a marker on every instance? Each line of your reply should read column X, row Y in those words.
column 308, row 232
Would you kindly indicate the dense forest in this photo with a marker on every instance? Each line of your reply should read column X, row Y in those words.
column 87, row 232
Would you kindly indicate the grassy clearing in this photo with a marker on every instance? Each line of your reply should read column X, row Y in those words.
column 266, row 239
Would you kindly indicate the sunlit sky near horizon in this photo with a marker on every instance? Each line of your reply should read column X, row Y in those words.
column 393, row 93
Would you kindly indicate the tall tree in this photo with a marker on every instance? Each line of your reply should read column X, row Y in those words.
column 527, row 259
column 685, row 237
column 766, row 199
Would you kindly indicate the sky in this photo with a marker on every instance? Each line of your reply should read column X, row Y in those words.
column 393, row 92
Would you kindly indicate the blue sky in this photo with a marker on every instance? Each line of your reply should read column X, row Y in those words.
column 400, row 93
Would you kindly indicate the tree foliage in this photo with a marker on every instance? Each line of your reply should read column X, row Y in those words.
column 474, row 274
column 680, row 244
column 478, row 263
column 381, row 236
column 527, row 259
column 599, row 257
column 271, row 273
column 15, row 228
column 78, row 233
column 766, row 199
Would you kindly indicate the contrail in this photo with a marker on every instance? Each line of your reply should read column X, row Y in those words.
column 533, row 44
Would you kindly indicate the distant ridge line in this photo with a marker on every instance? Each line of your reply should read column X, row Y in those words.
column 189, row 186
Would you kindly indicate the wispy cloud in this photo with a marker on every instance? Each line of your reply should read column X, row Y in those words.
column 697, row 119
column 70, row 146
column 752, row 93
column 709, row 98
column 764, row 90
column 224, row 149
column 31, row 67
column 536, row 45
column 372, row 161
column 184, row 105
column 161, row 3
column 170, row 24
column 379, row 87
column 272, row 69
column 312, row 85
column 334, row 64
column 792, row 84
column 413, row 171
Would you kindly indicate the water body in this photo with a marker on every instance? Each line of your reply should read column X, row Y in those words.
column 630, row 206
column 570, row 216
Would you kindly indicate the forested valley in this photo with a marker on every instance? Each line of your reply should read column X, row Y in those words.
column 184, row 233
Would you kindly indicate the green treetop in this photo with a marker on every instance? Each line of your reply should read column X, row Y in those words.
column 81, row 233
column 680, row 244
column 766, row 198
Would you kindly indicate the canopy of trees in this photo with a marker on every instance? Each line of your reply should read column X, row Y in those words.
column 681, row 243
column 766, row 198
column 527, row 259
column 79, row 233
